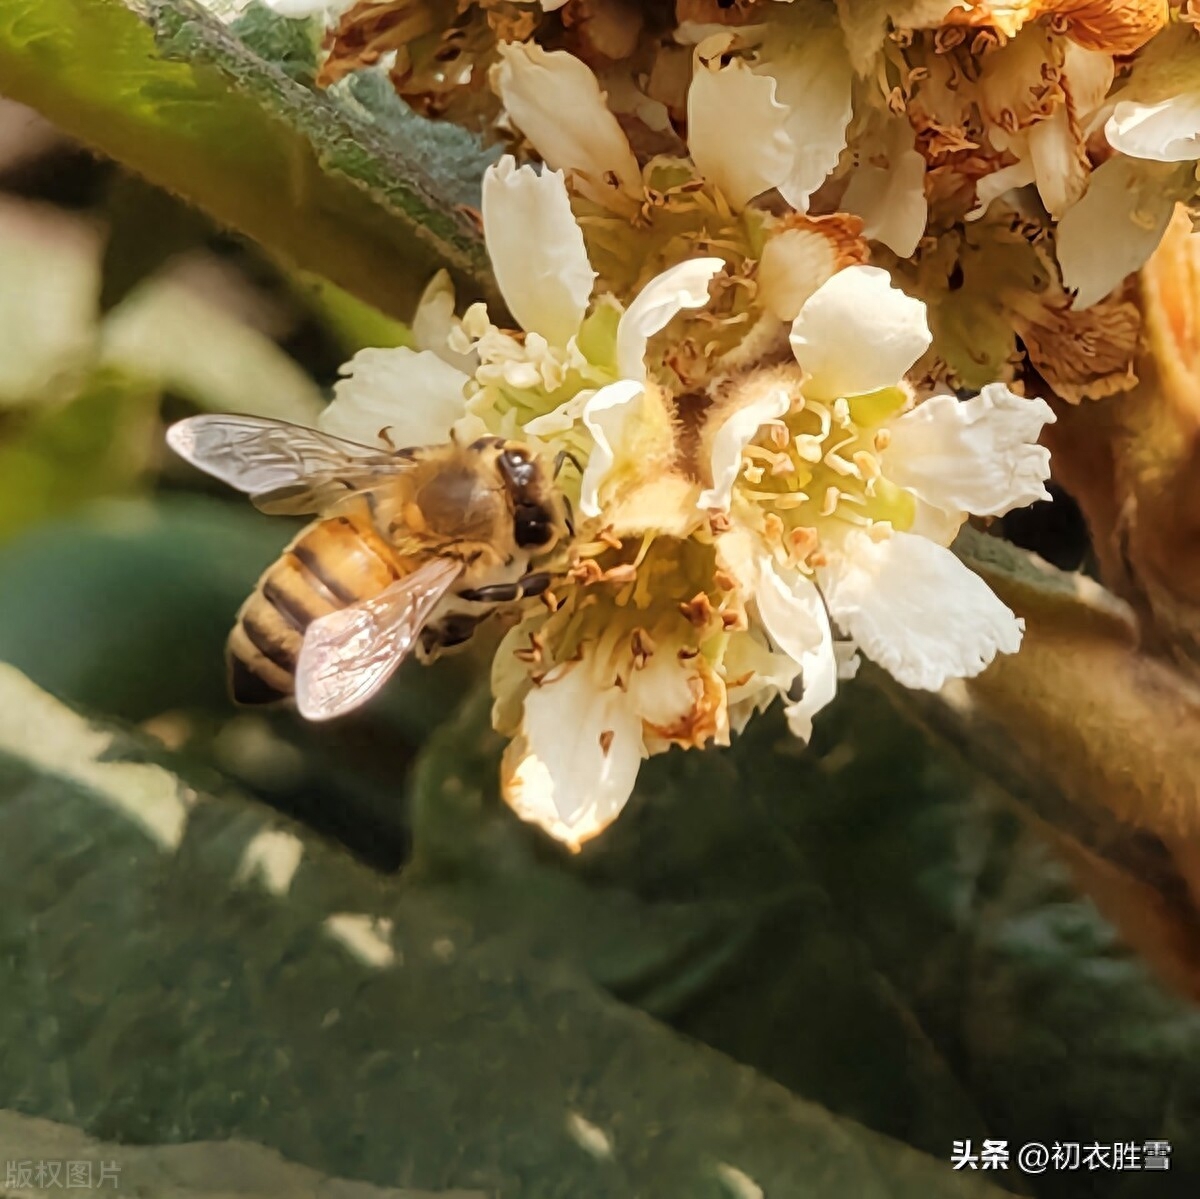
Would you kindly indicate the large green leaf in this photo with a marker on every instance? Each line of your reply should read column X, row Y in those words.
column 193, row 970
column 55, row 458
column 868, row 921
column 323, row 187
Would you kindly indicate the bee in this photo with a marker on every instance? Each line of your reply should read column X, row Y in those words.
column 410, row 548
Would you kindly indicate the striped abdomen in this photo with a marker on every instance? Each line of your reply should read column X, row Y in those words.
column 332, row 563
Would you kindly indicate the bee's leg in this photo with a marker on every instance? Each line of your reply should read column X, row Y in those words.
column 506, row 593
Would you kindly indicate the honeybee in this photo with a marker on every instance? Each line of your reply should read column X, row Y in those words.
column 410, row 549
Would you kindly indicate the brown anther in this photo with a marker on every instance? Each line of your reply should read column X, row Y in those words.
column 550, row 600
column 698, row 610
column 883, row 438
column 642, row 646
column 586, row 572
column 733, row 621
column 609, row 537
column 773, row 526
column 606, row 740
column 818, row 559
column 687, row 653
column 719, row 522
column 724, row 580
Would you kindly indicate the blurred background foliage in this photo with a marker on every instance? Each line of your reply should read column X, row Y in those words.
column 782, row 972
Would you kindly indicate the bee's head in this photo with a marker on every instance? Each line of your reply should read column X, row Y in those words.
column 539, row 514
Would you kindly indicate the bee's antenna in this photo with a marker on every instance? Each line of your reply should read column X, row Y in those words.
column 562, row 458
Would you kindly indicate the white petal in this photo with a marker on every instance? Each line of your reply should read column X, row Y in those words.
column 574, row 765
column 732, row 438
column 415, row 396
column 890, row 199
column 916, row 609
column 736, row 131
column 606, row 415
column 819, row 672
column 434, row 321
column 858, row 333
column 310, row 8
column 979, row 455
column 787, row 601
column 998, row 183
column 791, row 610
column 536, row 248
column 664, row 297
column 814, row 83
column 554, row 100
column 1168, row 131
column 1115, row 227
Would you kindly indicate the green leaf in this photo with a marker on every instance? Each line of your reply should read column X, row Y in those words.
column 133, row 587
column 289, row 44
column 868, row 921
column 318, row 186
column 355, row 325
column 195, row 970
column 56, row 458
column 208, row 1170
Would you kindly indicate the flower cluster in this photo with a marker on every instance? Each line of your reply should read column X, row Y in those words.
column 1011, row 163
column 784, row 272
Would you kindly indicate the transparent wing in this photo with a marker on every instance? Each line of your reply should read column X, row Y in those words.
column 348, row 655
column 284, row 468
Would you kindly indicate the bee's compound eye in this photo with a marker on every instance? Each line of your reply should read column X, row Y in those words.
column 532, row 526
column 517, row 468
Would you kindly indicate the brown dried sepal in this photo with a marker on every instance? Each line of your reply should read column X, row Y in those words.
column 1084, row 355
column 1114, row 26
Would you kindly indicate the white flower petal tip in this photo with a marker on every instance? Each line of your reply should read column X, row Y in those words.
column 819, row 673
column 606, row 415
column 858, row 332
column 664, row 297
column 555, row 100
column 1168, row 131
column 572, row 768
column 979, row 455
column 815, row 85
column 732, row 438
column 416, row 396
column 737, row 131
column 537, row 249
column 914, row 608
